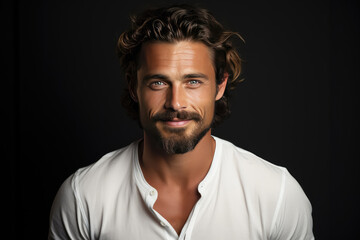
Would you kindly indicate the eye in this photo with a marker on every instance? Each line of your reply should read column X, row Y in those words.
column 194, row 83
column 157, row 85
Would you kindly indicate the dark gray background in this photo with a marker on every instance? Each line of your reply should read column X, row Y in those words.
column 298, row 106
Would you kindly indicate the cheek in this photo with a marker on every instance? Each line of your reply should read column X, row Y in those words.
column 204, row 102
column 150, row 102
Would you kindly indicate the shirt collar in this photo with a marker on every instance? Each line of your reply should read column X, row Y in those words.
column 149, row 194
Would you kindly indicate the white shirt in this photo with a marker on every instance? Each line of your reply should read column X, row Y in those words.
column 242, row 197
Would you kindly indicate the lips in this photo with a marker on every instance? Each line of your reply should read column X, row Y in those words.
column 176, row 122
column 180, row 118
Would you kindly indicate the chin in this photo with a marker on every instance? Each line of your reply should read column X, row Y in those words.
column 181, row 143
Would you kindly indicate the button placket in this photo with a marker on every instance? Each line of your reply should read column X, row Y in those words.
column 152, row 193
column 201, row 187
column 151, row 197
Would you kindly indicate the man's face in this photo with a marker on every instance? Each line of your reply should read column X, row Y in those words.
column 176, row 92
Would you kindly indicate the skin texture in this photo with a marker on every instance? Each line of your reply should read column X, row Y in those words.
column 172, row 78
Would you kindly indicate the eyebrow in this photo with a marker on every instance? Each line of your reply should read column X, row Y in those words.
column 196, row 75
column 154, row 76
column 166, row 78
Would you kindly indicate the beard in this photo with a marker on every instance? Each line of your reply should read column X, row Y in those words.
column 177, row 142
column 182, row 144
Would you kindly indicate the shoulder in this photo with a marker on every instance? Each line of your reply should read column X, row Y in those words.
column 112, row 167
column 102, row 179
column 255, row 173
column 83, row 192
column 248, row 166
column 277, row 193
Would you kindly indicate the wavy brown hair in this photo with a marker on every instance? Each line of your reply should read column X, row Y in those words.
column 173, row 24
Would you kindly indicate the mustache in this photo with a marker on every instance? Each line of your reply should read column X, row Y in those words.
column 181, row 115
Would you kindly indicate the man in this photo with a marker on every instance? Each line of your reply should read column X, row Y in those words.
column 179, row 181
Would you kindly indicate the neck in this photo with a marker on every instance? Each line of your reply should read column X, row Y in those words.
column 184, row 170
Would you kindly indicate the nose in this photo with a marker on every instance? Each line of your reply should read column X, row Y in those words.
column 175, row 99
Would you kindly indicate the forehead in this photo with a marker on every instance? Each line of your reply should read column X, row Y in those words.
column 180, row 55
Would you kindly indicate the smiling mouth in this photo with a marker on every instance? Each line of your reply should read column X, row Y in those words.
column 176, row 122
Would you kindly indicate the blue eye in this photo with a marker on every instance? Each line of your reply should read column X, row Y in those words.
column 194, row 82
column 158, row 83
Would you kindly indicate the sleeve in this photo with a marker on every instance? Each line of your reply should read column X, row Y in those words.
column 67, row 216
column 292, row 218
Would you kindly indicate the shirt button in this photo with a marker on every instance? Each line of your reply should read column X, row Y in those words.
column 162, row 224
column 152, row 193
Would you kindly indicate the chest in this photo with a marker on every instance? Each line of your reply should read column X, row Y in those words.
column 211, row 220
column 176, row 206
column 216, row 215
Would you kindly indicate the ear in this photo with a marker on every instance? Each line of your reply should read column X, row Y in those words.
column 132, row 88
column 133, row 95
column 222, row 86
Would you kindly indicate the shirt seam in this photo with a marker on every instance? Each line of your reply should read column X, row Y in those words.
column 279, row 202
column 78, row 200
